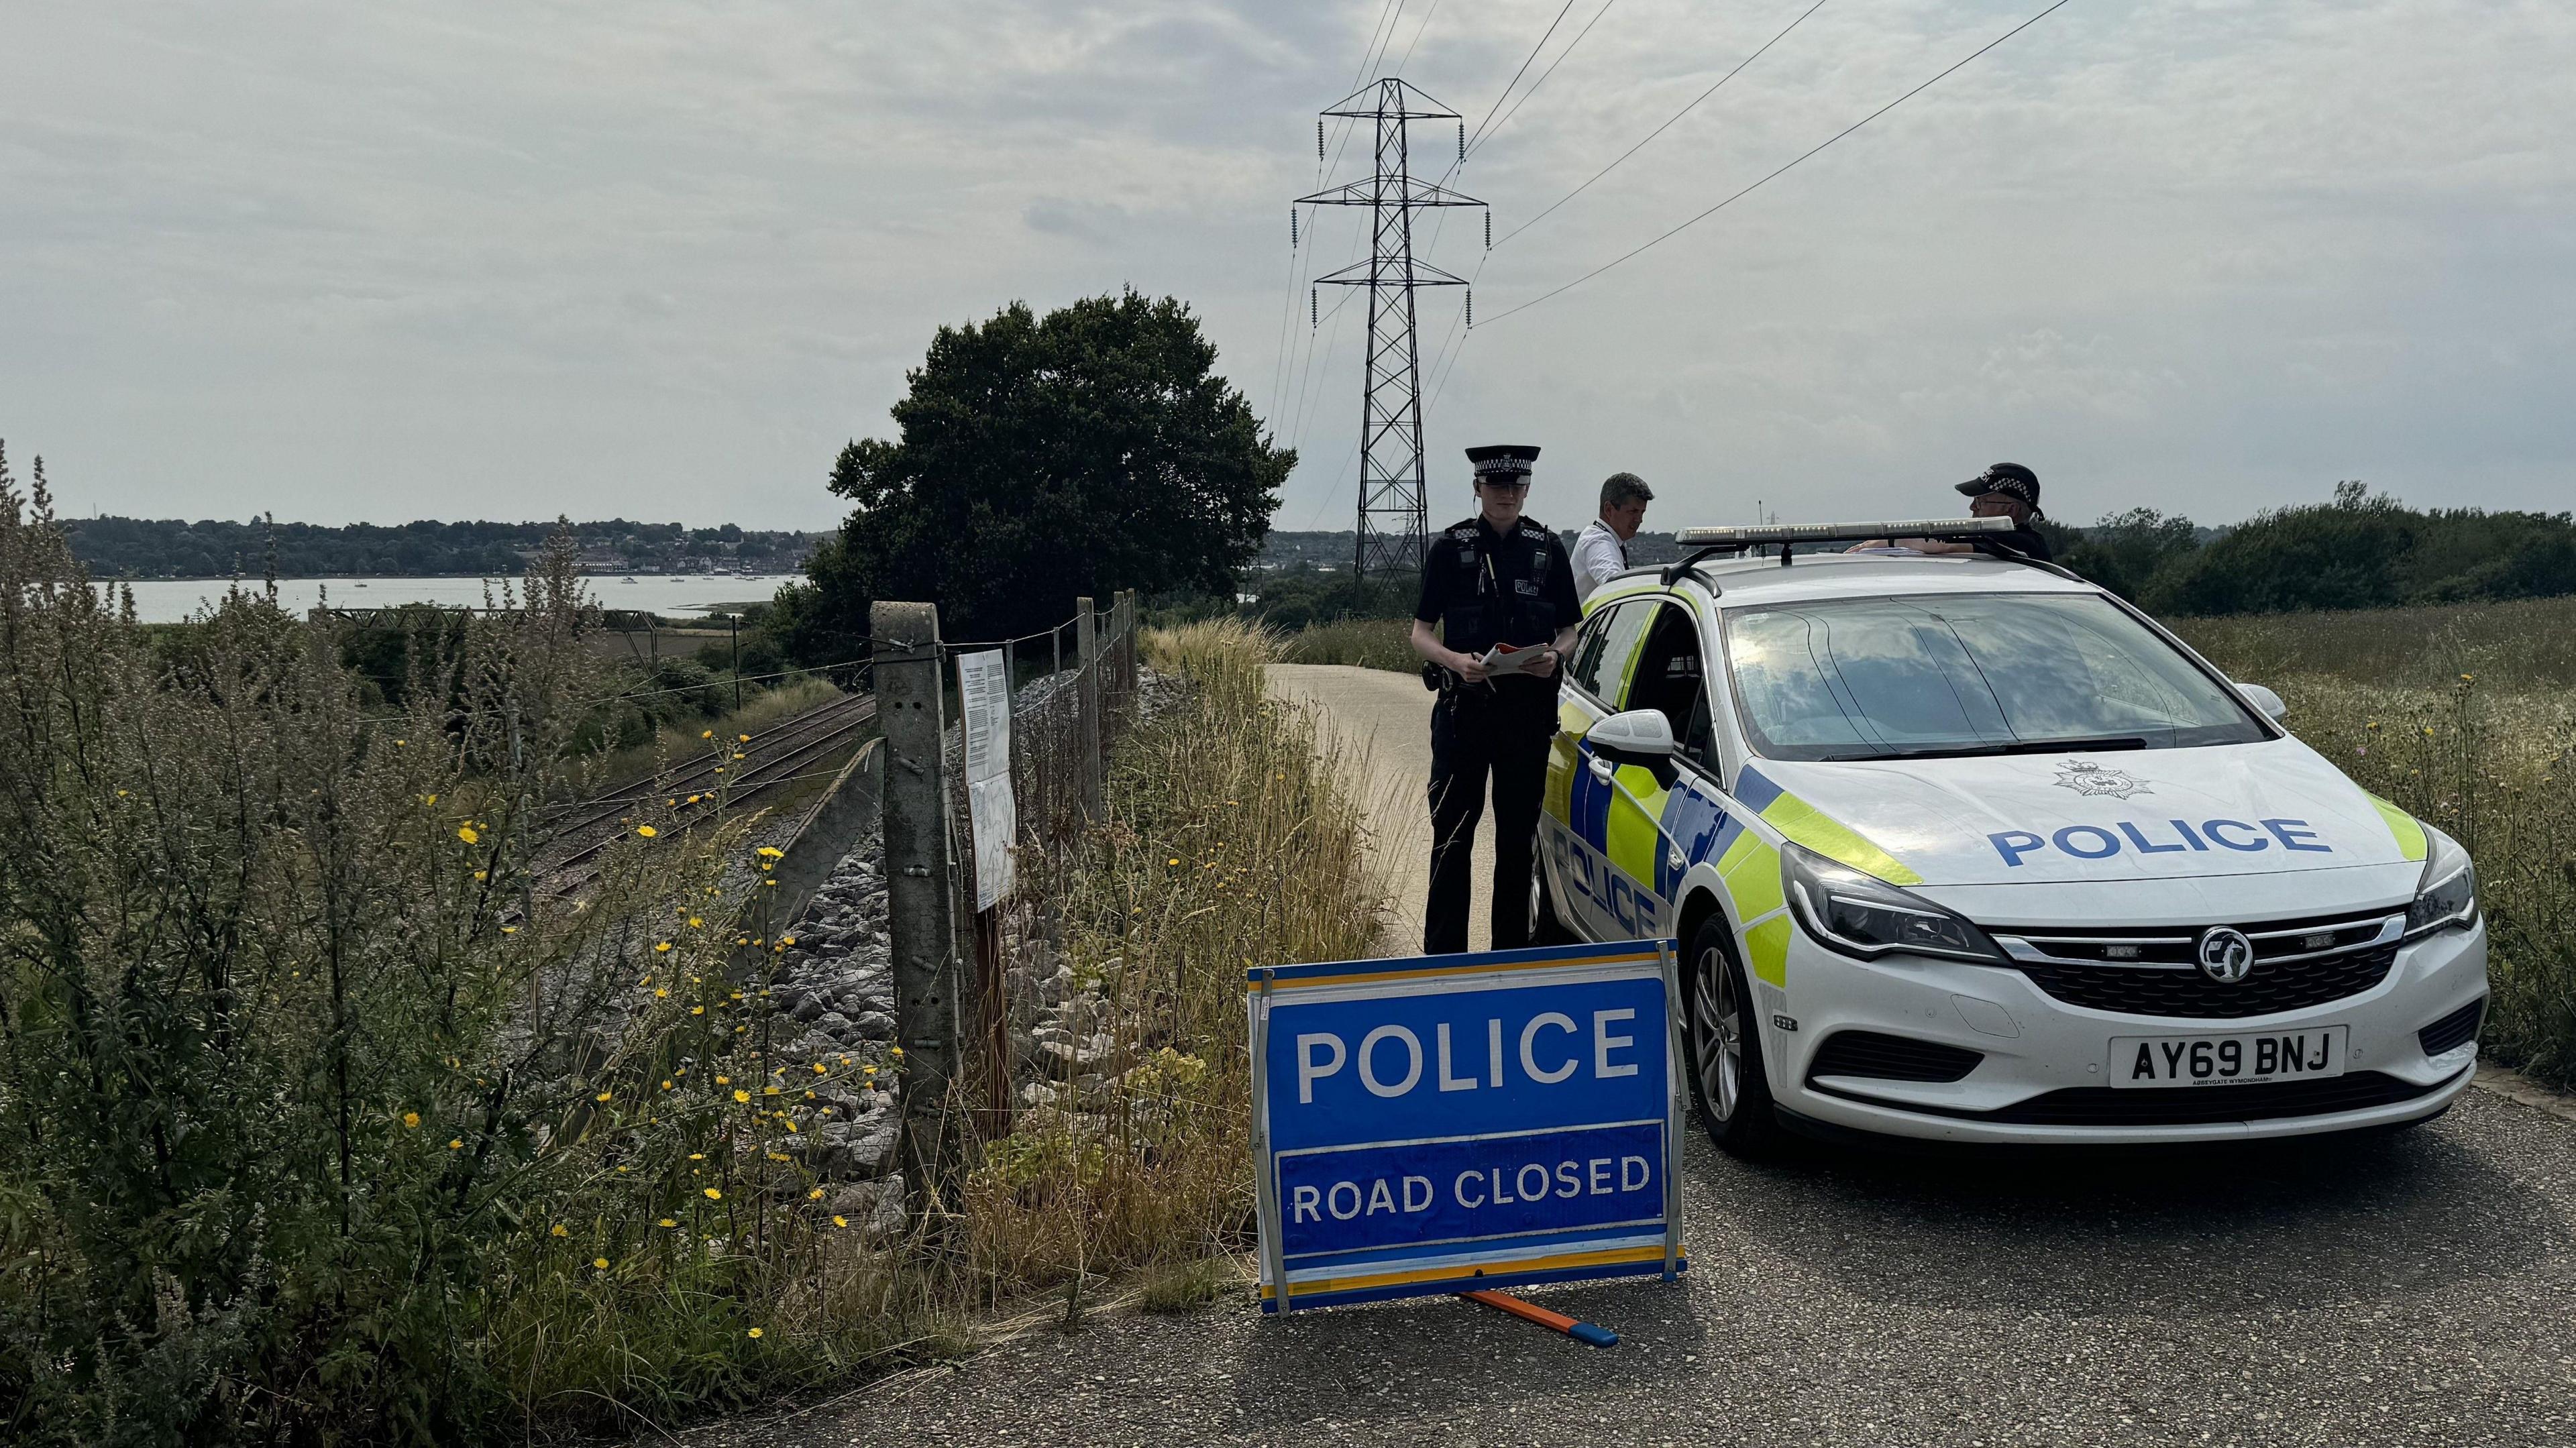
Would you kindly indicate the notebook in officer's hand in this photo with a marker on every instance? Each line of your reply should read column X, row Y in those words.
column 1505, row 659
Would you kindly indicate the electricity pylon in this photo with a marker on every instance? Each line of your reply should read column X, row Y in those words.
column 1392, row 525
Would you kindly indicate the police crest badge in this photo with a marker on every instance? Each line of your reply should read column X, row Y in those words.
column 2090, row 779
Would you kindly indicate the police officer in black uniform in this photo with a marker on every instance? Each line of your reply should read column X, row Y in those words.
column 1496, row 578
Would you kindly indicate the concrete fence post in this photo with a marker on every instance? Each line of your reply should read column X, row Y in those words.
column 1086, row 629
column 920, row 882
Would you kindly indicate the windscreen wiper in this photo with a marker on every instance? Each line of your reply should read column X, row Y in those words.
column 2022, row 746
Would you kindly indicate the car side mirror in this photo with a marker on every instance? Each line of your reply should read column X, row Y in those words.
column 1638, row 731
column 2265, row 700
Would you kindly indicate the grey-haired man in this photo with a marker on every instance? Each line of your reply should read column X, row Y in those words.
column 1601, row 552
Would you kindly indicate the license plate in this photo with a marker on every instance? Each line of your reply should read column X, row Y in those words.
column 2310, row 1054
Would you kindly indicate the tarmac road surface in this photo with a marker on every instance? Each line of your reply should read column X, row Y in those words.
column 2418, row 1288
column 2415, row 1289
column 1382, row 721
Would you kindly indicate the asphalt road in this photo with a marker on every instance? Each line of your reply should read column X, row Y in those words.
column 2402, row 1290
column 1382, row 722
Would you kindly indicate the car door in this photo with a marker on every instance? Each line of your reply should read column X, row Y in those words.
column 1657, row 816
column 1571, row 817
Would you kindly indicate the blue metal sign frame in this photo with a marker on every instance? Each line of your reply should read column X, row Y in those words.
column 1447, row 1122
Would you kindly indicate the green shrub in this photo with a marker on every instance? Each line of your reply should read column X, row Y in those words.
column 326, row 1122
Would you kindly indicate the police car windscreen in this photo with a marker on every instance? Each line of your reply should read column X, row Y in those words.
column 1960, row 674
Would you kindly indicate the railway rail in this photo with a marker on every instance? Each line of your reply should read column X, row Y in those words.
column 734, row 774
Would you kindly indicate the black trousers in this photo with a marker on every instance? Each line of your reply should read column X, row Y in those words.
column 1478, row 734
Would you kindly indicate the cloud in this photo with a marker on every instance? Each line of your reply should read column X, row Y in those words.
column 662, row 258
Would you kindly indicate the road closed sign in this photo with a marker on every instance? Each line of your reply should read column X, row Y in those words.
column 1461, row 1121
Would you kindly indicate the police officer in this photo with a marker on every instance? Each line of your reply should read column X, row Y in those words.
column 1496, row 578
column 2004, row 490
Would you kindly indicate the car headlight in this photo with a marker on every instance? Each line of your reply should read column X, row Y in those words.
column 2448, row 893
column 1862, row 915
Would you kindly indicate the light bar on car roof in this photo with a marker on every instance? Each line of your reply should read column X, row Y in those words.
column 1749, row 534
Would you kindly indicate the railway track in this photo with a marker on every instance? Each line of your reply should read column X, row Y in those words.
column 730, row 776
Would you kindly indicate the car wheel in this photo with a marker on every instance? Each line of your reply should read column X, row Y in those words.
column 1546, row 927
column 1725, row 1047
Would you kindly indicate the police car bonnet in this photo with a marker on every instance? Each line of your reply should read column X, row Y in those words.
column 2261, row 809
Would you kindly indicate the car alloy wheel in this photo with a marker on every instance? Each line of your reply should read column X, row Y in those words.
column 1717, row 1036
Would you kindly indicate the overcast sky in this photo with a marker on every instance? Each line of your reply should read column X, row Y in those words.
column 468, row 259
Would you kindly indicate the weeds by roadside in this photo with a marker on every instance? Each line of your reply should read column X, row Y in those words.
column 1370, row 643
column 1232, row 841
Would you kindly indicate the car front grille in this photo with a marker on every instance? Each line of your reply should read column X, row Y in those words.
column 2152, row 971
column 1890, row 1058
column 2454, row 1030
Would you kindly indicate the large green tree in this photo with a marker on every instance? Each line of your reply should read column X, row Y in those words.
column 1038, row 459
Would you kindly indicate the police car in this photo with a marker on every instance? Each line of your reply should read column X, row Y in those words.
column 1962, row 847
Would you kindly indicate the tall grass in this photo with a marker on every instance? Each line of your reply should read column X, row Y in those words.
column 1231, row 841
column 2462, row 715
column 325, row 1121
column 1370, row 643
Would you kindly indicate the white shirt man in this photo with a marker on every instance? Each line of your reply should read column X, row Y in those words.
column 1602, row 551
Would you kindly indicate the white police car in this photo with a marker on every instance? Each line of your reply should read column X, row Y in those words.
column 1962, row 847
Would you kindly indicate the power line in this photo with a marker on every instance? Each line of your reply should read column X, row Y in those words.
column 1385, row 17
column 1784, row 169
column 1516, row 75
column 1417, row 36
column 1488, row 135
column 1666, row 126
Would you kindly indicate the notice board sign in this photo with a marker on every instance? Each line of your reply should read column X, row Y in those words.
column 1450, row 1122
column 993, row 818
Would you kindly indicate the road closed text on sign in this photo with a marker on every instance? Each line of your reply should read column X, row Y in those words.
column 1464, row 1121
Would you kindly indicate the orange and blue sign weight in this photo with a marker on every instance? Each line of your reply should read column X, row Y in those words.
column 1448, row 1122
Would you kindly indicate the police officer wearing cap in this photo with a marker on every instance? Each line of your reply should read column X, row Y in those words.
column 2005, row 490
column 1494, row 579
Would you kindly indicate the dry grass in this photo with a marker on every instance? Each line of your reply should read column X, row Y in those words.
column 1371, row 643
column 1232, row 841
column 2461, row 715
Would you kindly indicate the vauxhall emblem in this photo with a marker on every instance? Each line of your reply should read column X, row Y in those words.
column 2226, row 956
column 2087, row 778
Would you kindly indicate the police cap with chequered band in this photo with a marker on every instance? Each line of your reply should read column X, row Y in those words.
column 2010, row 479
column 1503, row 460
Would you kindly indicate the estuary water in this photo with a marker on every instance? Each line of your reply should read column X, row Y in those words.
column 678, row 595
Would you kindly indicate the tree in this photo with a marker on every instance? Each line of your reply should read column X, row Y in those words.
column 2124, row 551
column 1093, row 450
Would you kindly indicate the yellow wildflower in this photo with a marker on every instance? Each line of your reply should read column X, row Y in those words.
column 815, row 1195
column 743, row 1097
column 455, row 1144
column 697, row 1010
column 840, row 1221
column 562, row 1231
column 424, row 799
column 482, row 874
column 770, row 852
column 755, row 1332
column 647, row 831
column 666, row 1222
column 599, row 1262
column 466, row 833
column 411, row 1119
column 713, row 1195
column 604, row 1095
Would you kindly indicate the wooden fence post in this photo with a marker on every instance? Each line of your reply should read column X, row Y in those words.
column 1087, row 645
column 920, row 882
